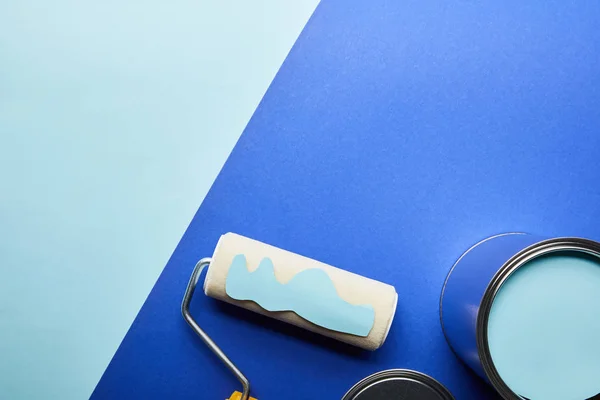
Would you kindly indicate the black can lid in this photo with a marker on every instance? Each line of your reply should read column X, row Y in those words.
column 398, row 384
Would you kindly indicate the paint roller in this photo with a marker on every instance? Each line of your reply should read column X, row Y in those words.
column 298, row 290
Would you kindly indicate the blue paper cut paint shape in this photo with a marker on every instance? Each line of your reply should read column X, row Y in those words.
column 311, row 294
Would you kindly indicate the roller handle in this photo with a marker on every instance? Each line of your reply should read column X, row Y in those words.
column 185, row 311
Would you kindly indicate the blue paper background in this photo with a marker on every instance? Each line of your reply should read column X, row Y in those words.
column 395, row 135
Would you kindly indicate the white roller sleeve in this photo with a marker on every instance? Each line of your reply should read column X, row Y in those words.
column 352, row 288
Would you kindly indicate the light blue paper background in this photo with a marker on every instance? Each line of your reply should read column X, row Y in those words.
column 107, row 111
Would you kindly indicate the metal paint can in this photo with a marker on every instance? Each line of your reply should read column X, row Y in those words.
column 472, row 285
column 398, row 384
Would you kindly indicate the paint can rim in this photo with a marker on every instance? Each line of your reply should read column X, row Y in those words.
column 383, row 376
column 518, row 260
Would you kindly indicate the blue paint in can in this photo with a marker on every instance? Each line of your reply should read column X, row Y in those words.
column 477, row 280
column 544, row 328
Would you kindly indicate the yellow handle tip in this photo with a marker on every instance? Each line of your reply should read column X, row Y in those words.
column 237, row 396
